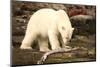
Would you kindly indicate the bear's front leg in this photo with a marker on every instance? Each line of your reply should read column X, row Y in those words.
column 54, row 42
column 27, row 41
column 43, row 44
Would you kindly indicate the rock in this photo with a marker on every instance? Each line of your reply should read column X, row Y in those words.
column 31, row 57
column 84, row 24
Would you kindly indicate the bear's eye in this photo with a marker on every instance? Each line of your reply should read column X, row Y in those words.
column 63, row 28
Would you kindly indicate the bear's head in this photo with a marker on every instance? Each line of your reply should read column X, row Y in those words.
column 64, row 26
column 66, row 33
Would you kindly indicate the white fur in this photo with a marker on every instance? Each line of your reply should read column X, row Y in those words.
column 45, row 26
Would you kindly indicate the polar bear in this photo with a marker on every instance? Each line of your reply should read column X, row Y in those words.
column 46, row 25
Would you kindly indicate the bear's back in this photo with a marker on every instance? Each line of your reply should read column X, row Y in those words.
column 43, row 19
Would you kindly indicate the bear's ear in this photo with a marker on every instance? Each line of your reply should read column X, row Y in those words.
column 72, row 29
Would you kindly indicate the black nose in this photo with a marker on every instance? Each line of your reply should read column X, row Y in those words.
column 69, row 40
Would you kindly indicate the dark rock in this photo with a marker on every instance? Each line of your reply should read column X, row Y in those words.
column 84, row 24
